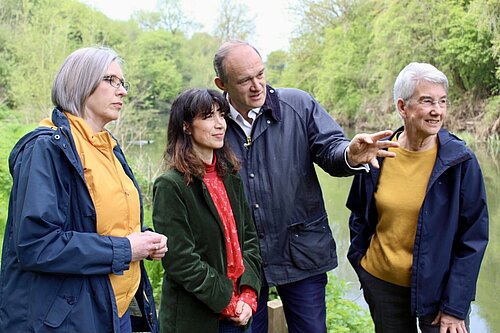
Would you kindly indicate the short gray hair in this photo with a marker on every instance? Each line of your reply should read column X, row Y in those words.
column 413, row 74
column 79, row 76
column 222, row 53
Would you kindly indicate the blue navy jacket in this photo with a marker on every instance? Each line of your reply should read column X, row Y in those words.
column 54, row 275
column 291, row 134
column 452, row 229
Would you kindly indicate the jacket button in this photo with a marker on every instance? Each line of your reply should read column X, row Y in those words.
column 57, row 136
column 256, row 206
column 251, row 175
column 268, row 122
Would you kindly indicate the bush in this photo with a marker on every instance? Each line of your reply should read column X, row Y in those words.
column 10, row 134
column 343, row 315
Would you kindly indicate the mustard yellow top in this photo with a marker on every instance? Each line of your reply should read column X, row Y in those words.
column 115, row 198
column 399, row 196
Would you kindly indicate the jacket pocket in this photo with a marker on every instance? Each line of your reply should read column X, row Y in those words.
column 66, row 299
column 311, row 243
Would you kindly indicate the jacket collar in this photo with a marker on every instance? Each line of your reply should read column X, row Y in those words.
column 272, row 104
column 451, row 151
column 59, row 119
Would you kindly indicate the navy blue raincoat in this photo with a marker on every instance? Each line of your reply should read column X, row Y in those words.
column 55, row 267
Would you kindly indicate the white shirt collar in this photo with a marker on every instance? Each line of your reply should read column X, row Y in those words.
column 236, row 116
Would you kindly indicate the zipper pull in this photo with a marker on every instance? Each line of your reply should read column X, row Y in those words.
column 248, row 143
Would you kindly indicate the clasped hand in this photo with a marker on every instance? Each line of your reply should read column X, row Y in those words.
column 147, row 244
column 243, row 313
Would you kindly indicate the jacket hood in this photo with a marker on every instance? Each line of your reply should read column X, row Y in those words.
column 19, row 146
column 58, row 129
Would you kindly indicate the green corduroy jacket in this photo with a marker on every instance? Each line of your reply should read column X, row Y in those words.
column 195, row 284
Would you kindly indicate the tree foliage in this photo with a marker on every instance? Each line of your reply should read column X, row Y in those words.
column 168, row 16
column 275, row 66
column 348, row 53
column 233, row 23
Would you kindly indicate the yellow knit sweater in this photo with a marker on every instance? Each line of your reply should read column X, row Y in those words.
column 400, row 193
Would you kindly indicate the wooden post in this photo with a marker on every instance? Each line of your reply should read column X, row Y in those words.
column 277, row 322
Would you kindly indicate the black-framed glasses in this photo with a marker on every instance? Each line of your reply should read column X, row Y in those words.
column 116, row 82
column 429, row 102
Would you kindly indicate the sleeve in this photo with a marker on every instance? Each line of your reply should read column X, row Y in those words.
column 230, row 310
column 470, row 243
column 182, row 263
column 249, row 296
column 360, row 227
column 44, row 229
column 328, row 142
column 250, row 247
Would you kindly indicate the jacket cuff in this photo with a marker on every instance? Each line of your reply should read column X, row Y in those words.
column 454, row 312
column 360, row 167
column 122, row 254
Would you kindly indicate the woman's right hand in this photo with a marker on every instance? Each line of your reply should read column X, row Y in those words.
column 147, row 244
column 243, row 313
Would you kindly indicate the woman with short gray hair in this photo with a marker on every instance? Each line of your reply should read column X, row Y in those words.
column 74, row 239
column 419, row 225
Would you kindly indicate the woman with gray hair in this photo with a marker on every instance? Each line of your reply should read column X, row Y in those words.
column 74, row 239
column 419, row 225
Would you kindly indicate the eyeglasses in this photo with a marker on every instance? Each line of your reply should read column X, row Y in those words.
column 429, row 102
column 116, row 82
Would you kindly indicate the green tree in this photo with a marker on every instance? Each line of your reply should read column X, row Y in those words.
column 344, row 79
column 232, row 22
column 197, row 61
column 153, row 71
column 468, row 49
column 39, row 43
column 168, row 16
column 275, row 66
column 348, row 54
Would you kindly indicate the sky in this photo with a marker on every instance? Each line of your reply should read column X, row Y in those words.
column 274, row 22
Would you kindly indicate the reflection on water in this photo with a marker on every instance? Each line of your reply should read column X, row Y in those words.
column 484, row 316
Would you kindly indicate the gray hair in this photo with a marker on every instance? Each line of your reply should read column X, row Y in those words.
column 413, row 74
column 222, row 53
column 79, row 76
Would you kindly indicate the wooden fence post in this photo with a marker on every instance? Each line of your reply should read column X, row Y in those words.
column 277, row 322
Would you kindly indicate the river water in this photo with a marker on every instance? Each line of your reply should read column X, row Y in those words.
column 484, row 316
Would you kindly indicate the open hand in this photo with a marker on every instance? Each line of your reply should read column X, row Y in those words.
column 365, row 148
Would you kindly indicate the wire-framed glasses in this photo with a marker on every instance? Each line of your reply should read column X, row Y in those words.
column 116, row 82
column 429, row 102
